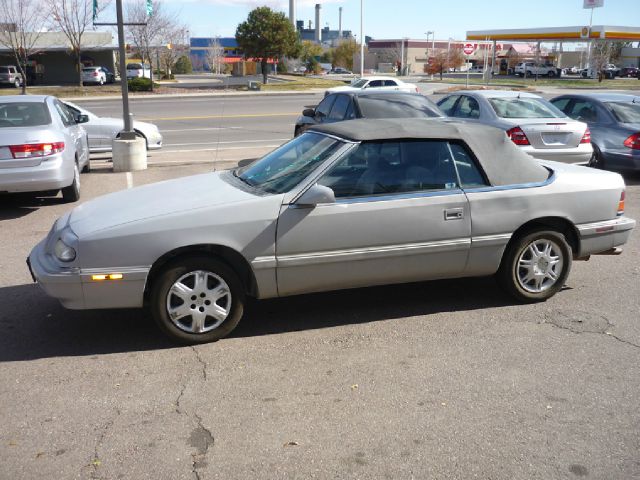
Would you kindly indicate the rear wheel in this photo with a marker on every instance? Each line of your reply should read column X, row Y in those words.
column 72, row 192
column 551, row 74
column 536, row 265
column 596, row 160
column 197, row 299
column 17, row 83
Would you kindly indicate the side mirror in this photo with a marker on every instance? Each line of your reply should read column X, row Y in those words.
column 82, row 118
column 315, row 195
column 309, row 112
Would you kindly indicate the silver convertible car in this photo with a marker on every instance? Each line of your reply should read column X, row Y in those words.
column 344, row 205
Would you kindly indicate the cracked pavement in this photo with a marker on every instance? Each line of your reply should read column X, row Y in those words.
column 442, row 379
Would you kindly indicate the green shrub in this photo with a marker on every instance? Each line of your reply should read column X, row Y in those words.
column 140, row 84
column 183, row 65
column 282, row 66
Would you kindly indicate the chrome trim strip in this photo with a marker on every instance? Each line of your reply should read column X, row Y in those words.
column 399, row 196
column 491, row 240
column 260, row 263
column 386, row 251
column 620, row 224
column 515, row 186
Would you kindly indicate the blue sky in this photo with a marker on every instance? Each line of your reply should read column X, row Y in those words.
column 410, row 18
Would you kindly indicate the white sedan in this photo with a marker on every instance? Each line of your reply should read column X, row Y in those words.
column 103, row 130
column 377, row 83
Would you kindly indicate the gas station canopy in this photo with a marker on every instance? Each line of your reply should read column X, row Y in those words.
column 576, row 34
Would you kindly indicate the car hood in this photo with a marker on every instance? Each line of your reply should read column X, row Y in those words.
column 157, row 199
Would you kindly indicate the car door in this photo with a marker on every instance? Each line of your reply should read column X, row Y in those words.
column 94, row 131
column 467, row 108
column 448, row 104
column 75, row 131
column 390, row 85
column 377, row 84
column 399, row 216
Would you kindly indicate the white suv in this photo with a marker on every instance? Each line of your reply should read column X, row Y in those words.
column 530, row 69
column 138, row 70
column 9, row 75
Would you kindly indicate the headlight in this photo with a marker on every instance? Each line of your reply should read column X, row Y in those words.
column 64, row 252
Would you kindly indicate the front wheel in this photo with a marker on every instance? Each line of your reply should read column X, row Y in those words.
column 535, row 266
column 197, row 300
column 551, row 74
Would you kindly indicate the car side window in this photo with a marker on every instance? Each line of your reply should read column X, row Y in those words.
column 584, row 111
column 339, row 109
column 390, row 83
column 376, row 83
column 448, row 103
column 562, row 104
column 350, row 114
column 323, row 109
column 468, row 171
column 389, row 168
column 65, row 115
column 467, row 108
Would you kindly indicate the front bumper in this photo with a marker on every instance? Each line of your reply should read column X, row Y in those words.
column 51, row 174
column 603, row 236
column 154, row 141
column 76, row 289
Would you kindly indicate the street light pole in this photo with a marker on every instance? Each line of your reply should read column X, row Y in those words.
column 127, row 133
column 361, row 39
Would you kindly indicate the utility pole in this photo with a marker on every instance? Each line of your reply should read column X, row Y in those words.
column 361, row 39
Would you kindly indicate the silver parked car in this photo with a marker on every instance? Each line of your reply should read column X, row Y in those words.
column 98, row 75
column 614, row 121
column 531, row 122
column 344, row 205
column 42, row 146
column 103, row 130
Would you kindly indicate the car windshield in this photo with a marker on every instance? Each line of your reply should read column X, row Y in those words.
column 626, row 112
column 397, row 106
column 359, row 83
column 23, row 114
column 525, row 107
column 285, row 167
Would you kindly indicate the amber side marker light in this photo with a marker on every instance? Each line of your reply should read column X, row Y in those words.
column 107, row 276
column 621, row 204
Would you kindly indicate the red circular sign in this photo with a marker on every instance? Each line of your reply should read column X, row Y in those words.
column 469, row 48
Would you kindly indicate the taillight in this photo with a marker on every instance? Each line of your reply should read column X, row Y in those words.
column 30, row 150
column 586, row 138
column 633, row 141
column 95, row 74
column 621, row 204
column 517, row 136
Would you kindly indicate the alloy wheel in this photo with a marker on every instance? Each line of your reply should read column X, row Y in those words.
column 539, row 265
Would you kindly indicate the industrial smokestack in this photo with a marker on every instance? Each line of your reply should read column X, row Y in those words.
column 318, row 23
column 339, row 23
column 292, row 12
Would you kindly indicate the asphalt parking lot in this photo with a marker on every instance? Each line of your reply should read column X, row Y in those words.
column 445, row 379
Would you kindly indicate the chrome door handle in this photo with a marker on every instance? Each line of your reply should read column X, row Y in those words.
column 454, row 214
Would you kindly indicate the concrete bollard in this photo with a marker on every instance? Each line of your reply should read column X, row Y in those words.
column 129, row 155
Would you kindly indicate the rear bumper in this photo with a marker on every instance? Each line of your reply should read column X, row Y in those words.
column 602, row 236
column 51, row 174
column 580, row 154
column 626, row 159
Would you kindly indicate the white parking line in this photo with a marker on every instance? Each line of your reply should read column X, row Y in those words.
column 129, row 180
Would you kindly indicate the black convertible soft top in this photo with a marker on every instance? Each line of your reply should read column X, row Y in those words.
column 503, row 162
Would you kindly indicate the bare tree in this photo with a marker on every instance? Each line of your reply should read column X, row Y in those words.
column 176, row 45
column 148, row 37
column 21, row 24
column 74, row 18
column 214, row 55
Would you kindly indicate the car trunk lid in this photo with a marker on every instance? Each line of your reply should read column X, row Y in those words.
column 22, row 136
column 553, row 133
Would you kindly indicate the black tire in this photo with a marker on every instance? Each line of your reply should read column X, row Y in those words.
column 551, row 74
column 510, row 273
column 87, row 167
column 71, row 193
column 184, row 267
column 596, row 160
column 101, row 81
column 17, row 83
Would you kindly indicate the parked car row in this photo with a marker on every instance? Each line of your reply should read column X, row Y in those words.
column 45, row 144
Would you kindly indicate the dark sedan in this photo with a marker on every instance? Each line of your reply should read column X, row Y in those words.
column 337, row 107
column 614, row 122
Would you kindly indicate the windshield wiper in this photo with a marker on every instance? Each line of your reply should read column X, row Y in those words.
column 243, row 180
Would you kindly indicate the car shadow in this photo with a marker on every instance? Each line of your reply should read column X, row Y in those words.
column 34, row 326
column 18, row 205
column 631, row 178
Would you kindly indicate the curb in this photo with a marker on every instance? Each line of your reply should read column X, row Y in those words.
column 311, row 91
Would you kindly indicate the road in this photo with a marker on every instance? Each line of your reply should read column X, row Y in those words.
column 446, row 379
